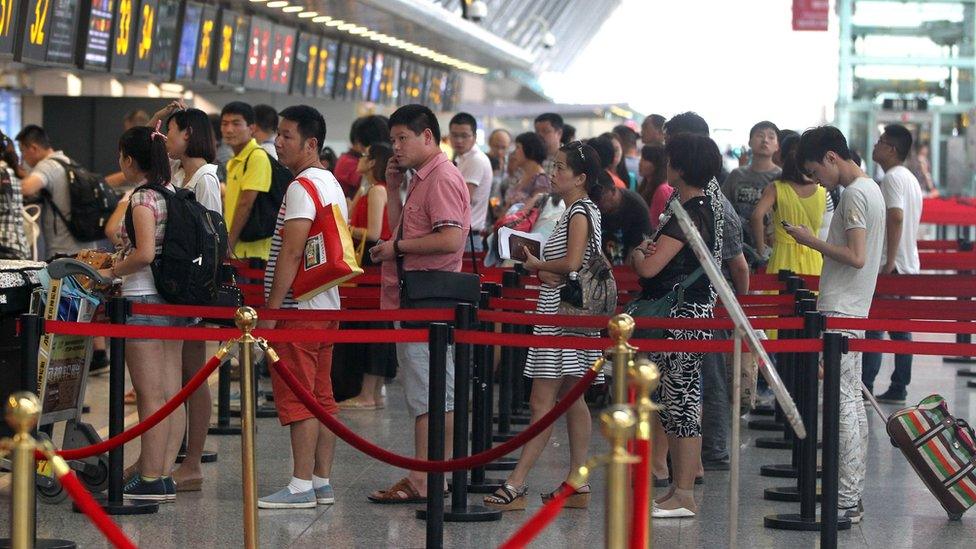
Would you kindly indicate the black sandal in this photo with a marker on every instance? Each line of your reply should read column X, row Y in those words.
column 580, row 499
column 507, row 498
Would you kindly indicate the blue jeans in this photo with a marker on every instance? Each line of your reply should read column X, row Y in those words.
column 716, row 423
column 871, row 364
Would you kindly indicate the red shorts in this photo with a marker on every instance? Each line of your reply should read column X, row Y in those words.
column 312, row 365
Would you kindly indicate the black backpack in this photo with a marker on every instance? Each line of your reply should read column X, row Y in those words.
column 264, row 213
column 92, row 202
column 188, row 271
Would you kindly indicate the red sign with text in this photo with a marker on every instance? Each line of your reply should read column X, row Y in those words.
column 810, row 15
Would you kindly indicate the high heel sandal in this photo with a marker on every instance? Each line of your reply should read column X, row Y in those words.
column 580, row 499
column 507, row 498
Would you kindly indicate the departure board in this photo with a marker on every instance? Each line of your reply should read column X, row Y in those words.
column 206, row 45
column 145, row 40
column 9, row 15
column 365, row 81
column 98, row 41
column 327, row 67
column 342, row 70
column 303, row 71
column 413, row 86
column 282, row 57
column 125, row 29
column 63, row 42
column 36, row 32
column 186, row 57
column 164, row 52
column 233, row 38
column 374, row 86
column 389, row 81
column 452, row 91
column 257, row 75
column 435, row 89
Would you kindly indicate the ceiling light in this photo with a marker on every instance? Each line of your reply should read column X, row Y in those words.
column 334, row 23
column 322, row 19
column 258, row 1
column 277, row 4
column 346, row 26
column 292, row 9
column 308, row 14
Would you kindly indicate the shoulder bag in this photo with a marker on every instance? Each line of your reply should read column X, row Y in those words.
column 593, row 290
column 662, row 306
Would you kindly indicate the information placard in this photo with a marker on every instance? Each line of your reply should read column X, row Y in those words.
column 257, row 76
column 167, row 23
column 232, row 54
column 186, row 57
column 124, row 32
column 145, row 40
column 206, row 45
column 326, row 69
column 98, row 46
column 9, row 15
column 282, row 56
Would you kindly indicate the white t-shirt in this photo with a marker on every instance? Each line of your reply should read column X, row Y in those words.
column 299, row 205
column 475, row 167
column 843, row 288
column 901, row 190
column 269, row 146
column 204, row 184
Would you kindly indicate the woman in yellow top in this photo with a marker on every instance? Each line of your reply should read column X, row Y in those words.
column 794, row 200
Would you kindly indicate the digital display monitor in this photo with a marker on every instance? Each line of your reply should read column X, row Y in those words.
column 327, row 68
column 257, row 75
column 167, row 22
column 435, row 88
column 373, row 94
column 452, row 91
column 342, row 70
column 9, row 15
column 389, row 83
column 36, row 32
column 63, row 43
column 126, row 28
column 98, row 41
column 282, row 57
column 232, row 53
column 206, row 45
column 303, row 71
column 412, row 82
column 186, row 57
column 145, row 39
column 365, row 74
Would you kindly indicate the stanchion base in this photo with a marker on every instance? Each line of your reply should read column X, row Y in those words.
column 782, row 470
column 208, row 456
column 266, row 410
column 966, row 373
column 793, row 521
column 502, row 464
column 486, row 487
column 44, row 544
column 959, row 360
column 472, row 513
column 764, row 425
column 778, row 443
column 124, row 507
column 785, row 493
column 763, row 410
column 224, row 430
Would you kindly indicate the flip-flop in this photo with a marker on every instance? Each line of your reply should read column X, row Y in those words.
column 392, row 495
column 352, row 404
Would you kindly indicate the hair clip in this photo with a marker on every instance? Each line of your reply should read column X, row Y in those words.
column 156, row 131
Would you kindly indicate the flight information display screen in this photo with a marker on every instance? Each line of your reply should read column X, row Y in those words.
column 206, row 45
column 343, row 62
column 365, row 78
column 232, row 53
column 257, row 75
column 186, row 58
column 145, row 40
column 327, row 67
column 63, row 42
column 9, row 15
column 436, row 79
column 167, row 21
column 36, row 32
column 98, row 42
column 126, row 21
column 389, row 80
column 306, row 57
column 282, row 57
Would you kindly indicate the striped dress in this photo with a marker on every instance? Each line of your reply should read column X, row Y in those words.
column 558, row 363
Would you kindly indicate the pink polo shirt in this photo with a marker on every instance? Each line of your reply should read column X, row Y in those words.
column 437, row 197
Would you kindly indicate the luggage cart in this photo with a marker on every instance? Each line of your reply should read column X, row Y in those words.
column 62, row 371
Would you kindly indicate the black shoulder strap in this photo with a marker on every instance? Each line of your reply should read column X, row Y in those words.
column 48, row 198
column 129, row 225
column 248, row 157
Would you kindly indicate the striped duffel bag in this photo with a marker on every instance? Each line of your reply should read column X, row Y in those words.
column 941, row 449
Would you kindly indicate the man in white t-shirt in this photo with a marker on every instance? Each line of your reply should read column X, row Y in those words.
column 475, row 167
column 300, row 136
column 903, row 203
column 851, row 259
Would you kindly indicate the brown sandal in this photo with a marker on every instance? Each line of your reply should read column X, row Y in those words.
column 579, row 500
column 401, row 492
column 508, row 498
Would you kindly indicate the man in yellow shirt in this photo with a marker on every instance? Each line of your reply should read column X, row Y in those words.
column 248, row 173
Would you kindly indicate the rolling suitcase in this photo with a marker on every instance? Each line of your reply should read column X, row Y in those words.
column 941, row 449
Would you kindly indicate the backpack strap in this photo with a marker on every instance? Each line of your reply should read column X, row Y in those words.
column 129, row 225
column 48, row 198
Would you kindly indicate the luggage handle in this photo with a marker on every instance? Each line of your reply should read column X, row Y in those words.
column 874, row 403
column 65, row 267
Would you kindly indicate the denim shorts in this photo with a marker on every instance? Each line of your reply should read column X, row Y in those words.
column 154, row 320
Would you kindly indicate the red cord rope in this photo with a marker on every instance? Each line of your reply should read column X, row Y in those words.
column 87, row 505
column 477, row 460
column 642, row 495
column 912, row 347
column 918, row 326
column 391, row 315
column 540, row 520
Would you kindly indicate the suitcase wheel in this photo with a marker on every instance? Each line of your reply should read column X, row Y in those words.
column 893, row 442
column 955, row 516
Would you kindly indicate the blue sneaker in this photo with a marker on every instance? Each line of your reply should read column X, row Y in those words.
column 150, row 490
column 325, row 495
column 284, row 499
column 170, row 489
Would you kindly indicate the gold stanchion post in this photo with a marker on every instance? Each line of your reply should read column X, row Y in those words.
column 620, row 328
column 646, row 377
column 246, row 319
column 23, row 410
column 618, row 423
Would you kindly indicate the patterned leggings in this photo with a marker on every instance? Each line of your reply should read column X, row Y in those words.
column 680, row 394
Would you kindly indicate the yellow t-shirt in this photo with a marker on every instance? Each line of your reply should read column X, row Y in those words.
column 257, row 177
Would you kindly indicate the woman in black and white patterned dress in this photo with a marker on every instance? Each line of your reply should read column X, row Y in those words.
column 662, row 263
column 575, row 178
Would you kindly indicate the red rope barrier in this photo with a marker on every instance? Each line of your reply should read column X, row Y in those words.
column 642, row 495
column 87, row 505
column 921, row 326
column 391, row 315
column 948, row 261
column 600, row 322
column 146, row 424
column 643, row 345
column 912, row 347
column 376, row 452
column 535, row 525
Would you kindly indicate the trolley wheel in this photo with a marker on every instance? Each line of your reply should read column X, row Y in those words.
column 954, row 516
column 893, row 442
column 95, row 478
column 50, row 491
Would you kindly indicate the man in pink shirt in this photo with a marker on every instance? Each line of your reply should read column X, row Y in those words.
column 431, row 229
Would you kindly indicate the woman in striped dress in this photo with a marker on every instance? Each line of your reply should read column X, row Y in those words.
column 575, row 178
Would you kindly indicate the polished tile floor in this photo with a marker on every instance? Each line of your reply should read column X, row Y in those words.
column 900, row 513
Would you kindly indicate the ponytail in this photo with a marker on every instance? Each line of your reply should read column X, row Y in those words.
column 147, row 147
